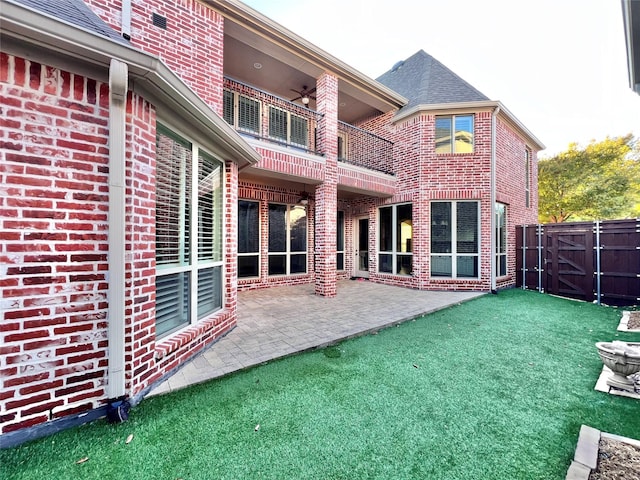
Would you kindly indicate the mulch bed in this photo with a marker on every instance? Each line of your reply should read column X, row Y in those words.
column 617, row 461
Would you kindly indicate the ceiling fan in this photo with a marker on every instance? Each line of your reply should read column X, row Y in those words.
column 304, row 95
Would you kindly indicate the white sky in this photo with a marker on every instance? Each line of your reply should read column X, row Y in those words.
column 558, row 65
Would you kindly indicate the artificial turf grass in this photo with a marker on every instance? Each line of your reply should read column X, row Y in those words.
column 476, row 391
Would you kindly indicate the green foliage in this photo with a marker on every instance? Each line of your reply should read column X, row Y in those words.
column 598, row 182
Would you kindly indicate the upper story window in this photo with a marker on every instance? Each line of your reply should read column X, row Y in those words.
column 454, row 134
column 241, row 112
column 288, row 128
column 527, row 178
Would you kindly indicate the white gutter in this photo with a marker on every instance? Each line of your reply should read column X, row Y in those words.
column 118, row 80
column 492, row 197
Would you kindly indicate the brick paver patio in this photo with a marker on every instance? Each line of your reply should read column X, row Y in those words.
column 281, row 321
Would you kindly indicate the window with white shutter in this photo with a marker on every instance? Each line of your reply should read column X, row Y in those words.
column 189, row 256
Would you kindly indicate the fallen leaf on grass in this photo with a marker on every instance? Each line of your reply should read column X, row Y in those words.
column 415, row 366
column 82, row 460
column 129, row 438
column 257, row 428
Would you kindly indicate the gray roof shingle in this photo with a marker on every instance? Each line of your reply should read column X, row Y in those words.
column 423, row 80
column 75, row 12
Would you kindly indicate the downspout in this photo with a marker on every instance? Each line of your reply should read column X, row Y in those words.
column 125, row 28
column 492, row 197
column 118, row 85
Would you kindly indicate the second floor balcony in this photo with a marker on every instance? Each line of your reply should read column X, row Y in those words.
column 272, row 119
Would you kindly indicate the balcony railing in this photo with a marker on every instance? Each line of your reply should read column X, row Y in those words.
column 270, row 118
column 364, row 149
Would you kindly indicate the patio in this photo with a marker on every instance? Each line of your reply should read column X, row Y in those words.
column 281, row 321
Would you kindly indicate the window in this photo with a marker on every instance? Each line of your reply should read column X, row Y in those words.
column 340, row 241
column 454, row 239
column 287, row 239
column 288, row 128
column 248, row 239
column 395, row 238
column 241, row 112
column 189, row 226
column 501, row 239
column 454, row 134
column 527, row 178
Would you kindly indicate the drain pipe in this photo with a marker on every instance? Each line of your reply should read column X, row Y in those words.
column 125, row 28
column 118, row 86
column 492, row 197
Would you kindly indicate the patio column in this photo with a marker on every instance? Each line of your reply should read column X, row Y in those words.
column 327, row 192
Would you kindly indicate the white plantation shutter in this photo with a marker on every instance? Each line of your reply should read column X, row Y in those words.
column 188, row 219
column 172, row 200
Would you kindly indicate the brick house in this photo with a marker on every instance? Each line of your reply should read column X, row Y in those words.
column 159, row 156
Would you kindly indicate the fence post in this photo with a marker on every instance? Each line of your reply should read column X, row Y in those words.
column 540, row 269
column 597, row 272
column 524, row 257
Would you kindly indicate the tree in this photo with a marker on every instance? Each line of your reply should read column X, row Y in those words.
column 600, row 181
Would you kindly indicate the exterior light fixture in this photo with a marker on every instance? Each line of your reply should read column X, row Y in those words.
column 305, row 100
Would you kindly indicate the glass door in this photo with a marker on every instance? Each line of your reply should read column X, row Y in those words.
column 361, row 242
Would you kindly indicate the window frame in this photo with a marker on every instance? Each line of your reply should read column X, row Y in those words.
column 288, row 253
column 501, row 246
column 453, row 254
column 395, row 241
column 192, row 265
column 453, row 134
column 527, row 178
column 235, row 116
column 340, row 241
column 257, row 253
column 288, row 128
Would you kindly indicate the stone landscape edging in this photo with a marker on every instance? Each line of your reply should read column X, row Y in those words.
column 585, row 459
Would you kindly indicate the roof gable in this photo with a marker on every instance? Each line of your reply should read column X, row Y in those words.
column 423, row 80
column 74, row 12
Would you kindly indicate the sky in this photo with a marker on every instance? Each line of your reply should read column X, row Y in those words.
column 558, row 65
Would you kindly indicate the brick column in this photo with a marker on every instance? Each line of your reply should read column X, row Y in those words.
column 327, row 192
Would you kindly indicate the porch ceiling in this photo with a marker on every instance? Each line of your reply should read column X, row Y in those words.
column 284, row 69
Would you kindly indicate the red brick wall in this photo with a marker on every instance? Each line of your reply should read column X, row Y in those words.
column 510, row 172
column 53, row 245
column 423, row 176
column 191, row 45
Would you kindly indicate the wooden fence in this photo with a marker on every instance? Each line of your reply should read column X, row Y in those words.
column 591, row 261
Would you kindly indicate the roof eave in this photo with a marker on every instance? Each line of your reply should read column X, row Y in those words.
column 27, row 25
column 256, row 21
column 468, row 106
column 632, row 42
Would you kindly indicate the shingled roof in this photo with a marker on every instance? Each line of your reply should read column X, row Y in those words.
column 74, row 12
column 423, row 80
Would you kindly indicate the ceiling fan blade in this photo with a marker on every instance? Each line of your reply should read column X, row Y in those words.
column 297, row 91
column 309, row 92
column 294, row 99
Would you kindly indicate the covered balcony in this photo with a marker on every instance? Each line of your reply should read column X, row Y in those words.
column 272, row 94
column 270, row 118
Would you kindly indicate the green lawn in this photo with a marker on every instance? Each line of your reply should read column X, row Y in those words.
column 495, row 388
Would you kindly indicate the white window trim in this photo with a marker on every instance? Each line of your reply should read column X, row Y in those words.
column 394, row 240
column 194, row 263
column 259, row 252
column 288, row 252
column 498, row 253
column 453, row 254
